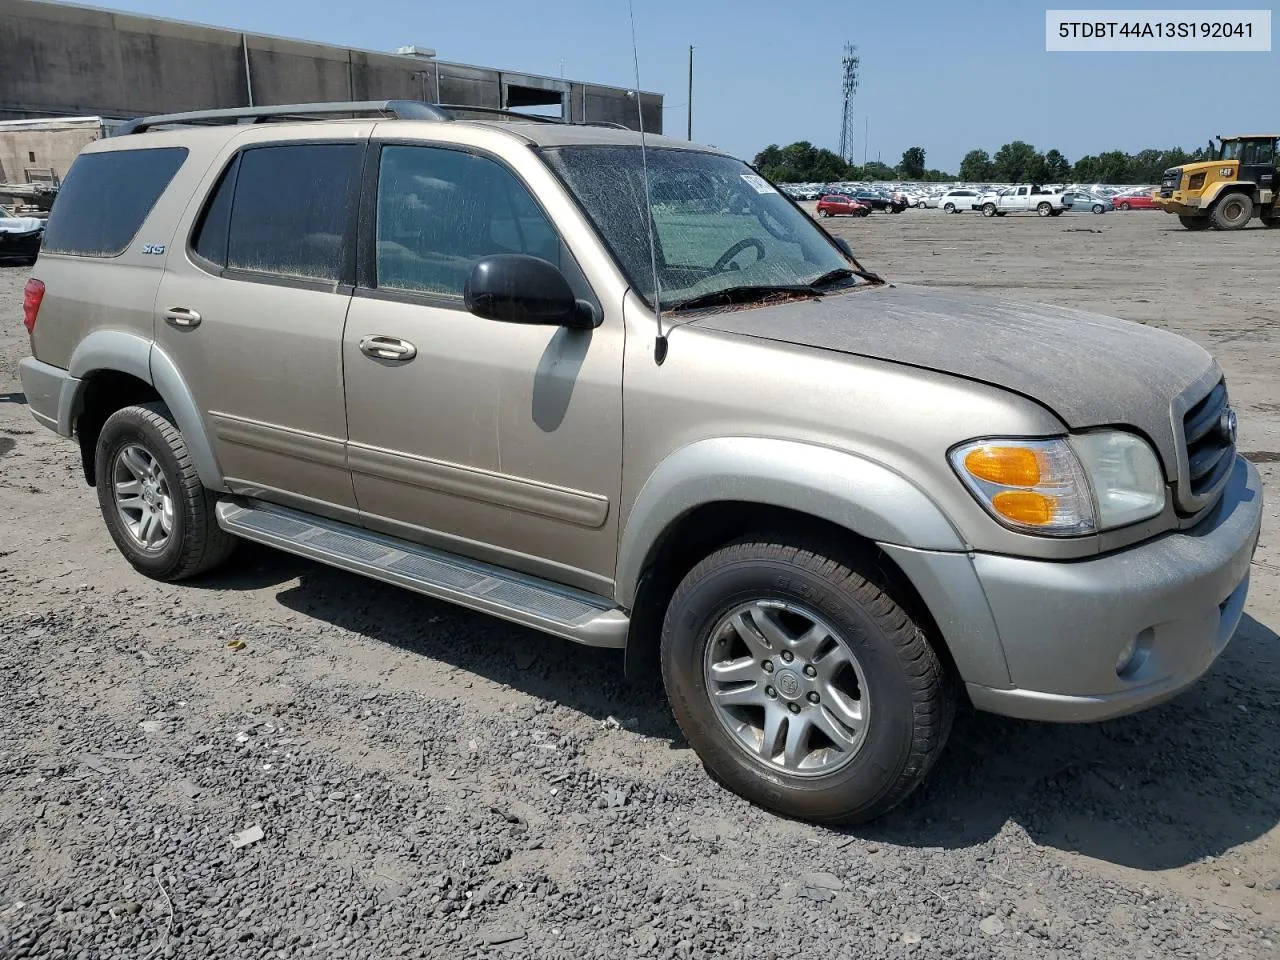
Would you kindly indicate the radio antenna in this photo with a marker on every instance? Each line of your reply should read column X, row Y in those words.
column 660, row 343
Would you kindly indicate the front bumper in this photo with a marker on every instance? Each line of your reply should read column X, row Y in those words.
column 1179, row 203
column 50, row 392
column 1062, row 626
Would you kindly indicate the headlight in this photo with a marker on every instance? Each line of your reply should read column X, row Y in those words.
column 1062, row 488
column 1128, row 484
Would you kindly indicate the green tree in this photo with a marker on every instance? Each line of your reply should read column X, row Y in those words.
column 875, row 170
column 912, row 165
column 976, row 166
column 1016, row 161
column 1057, row 167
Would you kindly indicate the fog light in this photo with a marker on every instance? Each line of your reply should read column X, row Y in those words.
column 1134, row 653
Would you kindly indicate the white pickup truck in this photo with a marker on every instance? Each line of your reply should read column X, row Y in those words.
column 1022, row 199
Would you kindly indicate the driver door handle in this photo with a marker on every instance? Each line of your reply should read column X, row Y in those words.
column 182, row 317
column 388, row 348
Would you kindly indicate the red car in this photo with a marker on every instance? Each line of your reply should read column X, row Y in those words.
column 1141, row 200
column 837, row 204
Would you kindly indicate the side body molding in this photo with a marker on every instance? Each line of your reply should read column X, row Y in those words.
column 850, row 491
column 141, row 358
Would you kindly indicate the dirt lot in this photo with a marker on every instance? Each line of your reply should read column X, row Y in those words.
column 435, row 783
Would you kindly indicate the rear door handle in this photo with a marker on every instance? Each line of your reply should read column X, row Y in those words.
column 182, row 317
column 388, row 348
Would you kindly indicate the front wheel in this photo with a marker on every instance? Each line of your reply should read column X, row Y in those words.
column 1232, row 212
column 1123, row 206
column 1194, row 223
column 824, row 214
column 949, row 208
column 157, row 511
column 801, row 683
column 1044, row 209
column 988, row 209
column 1099, row 208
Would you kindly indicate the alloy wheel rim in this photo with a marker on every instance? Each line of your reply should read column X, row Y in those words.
column 787, row 688
column 143, row 501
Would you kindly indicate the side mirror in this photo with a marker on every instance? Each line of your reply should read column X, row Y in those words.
column 516, row 288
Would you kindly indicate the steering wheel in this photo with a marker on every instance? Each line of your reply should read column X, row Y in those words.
column 726, row 258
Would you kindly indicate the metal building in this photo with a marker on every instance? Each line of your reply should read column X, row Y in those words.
column 59, row 60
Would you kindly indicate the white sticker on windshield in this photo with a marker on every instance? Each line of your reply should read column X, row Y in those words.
column 758, row 184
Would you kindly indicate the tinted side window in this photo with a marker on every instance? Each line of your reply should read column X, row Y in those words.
column 439, row 211
column 105, row 198
column 210, row 240
column 294, row 209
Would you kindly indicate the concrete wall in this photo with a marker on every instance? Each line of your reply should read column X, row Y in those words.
column 61, row 60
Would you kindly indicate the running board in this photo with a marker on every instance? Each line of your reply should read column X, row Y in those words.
column 540, row 604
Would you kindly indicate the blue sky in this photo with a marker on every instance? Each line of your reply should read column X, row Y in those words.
column 944, row 75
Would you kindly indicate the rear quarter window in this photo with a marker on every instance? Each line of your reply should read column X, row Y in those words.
column 106, row 197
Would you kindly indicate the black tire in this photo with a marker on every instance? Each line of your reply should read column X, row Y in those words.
column 988, row 209
column 912, row 699
column 949, row 208
column 1002, row 213
column 1044, row 209
column 1271, row 220
column 195, row 543
column 1057, row 213
column 824, row 213
column 1099, row 208
column 1232, row 212
column 1123, row 205
column 1194, row 223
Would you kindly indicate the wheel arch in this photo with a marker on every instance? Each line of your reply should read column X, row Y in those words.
column 112, row 369
column 712, row 492
column 1214, row 193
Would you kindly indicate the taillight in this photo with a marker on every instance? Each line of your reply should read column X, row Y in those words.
column 32, row 295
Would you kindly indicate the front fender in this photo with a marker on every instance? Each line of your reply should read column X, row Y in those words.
column 1214, row 191
column 852, row 492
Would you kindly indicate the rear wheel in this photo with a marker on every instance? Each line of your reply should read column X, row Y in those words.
column 159, row 514
column 1271, row 220
column 1044, row 209
column 1056, row 213
column 802, row 685
column 1194, row 223
column 1232, row 212
column 988, row 209
column 1123, row 205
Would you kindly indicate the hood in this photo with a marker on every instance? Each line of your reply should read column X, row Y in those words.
column 1090, row 370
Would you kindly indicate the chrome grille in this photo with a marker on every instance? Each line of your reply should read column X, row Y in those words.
column 1208, row 450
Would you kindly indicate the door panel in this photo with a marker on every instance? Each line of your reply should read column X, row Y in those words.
column 499, row 441
column 261, row 351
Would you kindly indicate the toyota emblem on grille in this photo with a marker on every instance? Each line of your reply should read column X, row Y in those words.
column 1227, row 426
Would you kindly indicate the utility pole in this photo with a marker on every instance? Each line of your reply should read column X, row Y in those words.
column 690, row 92
column 866, row 126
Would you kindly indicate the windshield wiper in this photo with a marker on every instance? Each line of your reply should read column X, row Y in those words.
column 831, row 276
column 744, row 294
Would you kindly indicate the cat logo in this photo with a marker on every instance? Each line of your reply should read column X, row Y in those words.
column 155, row 248
column 1226, row 172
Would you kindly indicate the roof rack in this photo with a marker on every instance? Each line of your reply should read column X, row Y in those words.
column 400, row 109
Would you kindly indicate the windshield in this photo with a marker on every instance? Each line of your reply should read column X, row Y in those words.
column 1231, row 150
column 717, row 224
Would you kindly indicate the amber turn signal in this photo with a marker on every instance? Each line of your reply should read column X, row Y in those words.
column 1025, row 506
column 1007, row 466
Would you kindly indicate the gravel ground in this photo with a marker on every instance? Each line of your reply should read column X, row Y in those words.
column 409, row 779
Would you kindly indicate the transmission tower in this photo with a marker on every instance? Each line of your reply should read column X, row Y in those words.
column 850, row 62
